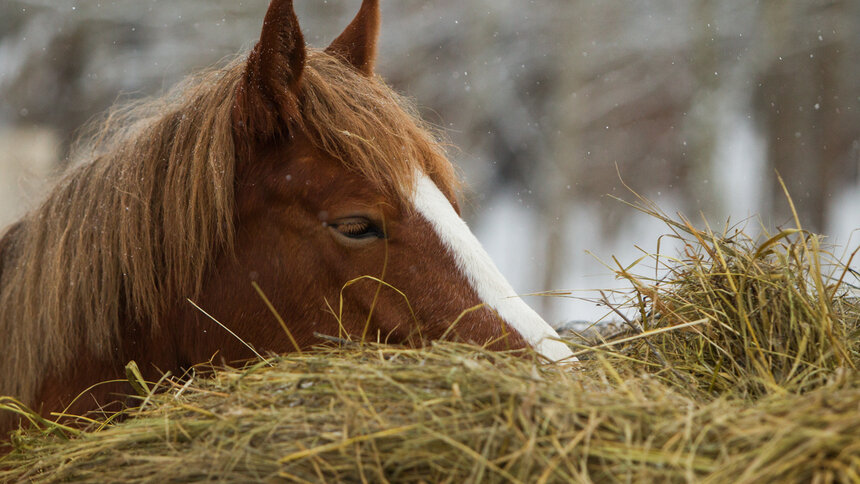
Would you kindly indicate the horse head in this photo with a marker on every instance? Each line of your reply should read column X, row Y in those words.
column 288, row 195
column 347, row 219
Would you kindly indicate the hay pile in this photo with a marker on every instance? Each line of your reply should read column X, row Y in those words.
column 746, row 372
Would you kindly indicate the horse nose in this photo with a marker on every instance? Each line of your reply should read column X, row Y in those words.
column 533, row 328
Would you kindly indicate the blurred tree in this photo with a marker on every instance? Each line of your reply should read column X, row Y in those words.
column 808, row 99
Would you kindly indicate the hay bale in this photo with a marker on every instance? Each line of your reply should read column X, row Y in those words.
column 451, row 413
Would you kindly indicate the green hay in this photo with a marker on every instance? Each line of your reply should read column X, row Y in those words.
column 759, row 384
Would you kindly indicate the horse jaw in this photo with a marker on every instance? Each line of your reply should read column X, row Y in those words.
column 483, row 275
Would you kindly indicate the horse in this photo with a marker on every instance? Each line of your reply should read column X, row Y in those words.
column 291, row 184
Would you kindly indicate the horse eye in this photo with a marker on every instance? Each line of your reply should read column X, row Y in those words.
column 358, row 228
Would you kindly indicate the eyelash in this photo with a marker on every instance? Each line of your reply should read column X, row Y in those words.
column 358, row 229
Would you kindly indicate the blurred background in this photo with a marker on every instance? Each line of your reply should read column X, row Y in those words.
column 695, row 103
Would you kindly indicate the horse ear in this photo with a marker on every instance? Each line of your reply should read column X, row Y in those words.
column 267, row 96
column 357, row 44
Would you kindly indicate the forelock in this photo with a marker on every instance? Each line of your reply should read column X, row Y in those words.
column 370, row 128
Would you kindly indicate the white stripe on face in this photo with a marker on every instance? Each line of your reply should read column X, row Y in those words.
column 474, row 262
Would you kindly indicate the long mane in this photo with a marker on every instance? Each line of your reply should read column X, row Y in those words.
column 135, row 225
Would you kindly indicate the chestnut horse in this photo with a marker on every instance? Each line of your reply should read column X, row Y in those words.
column 293, row 171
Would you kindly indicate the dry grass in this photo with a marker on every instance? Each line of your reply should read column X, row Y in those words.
column 780, row 315
column 759, row 384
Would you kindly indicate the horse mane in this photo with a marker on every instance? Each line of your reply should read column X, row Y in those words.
column 132, row 228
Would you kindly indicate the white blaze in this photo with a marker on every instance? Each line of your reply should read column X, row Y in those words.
column 474, row 262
